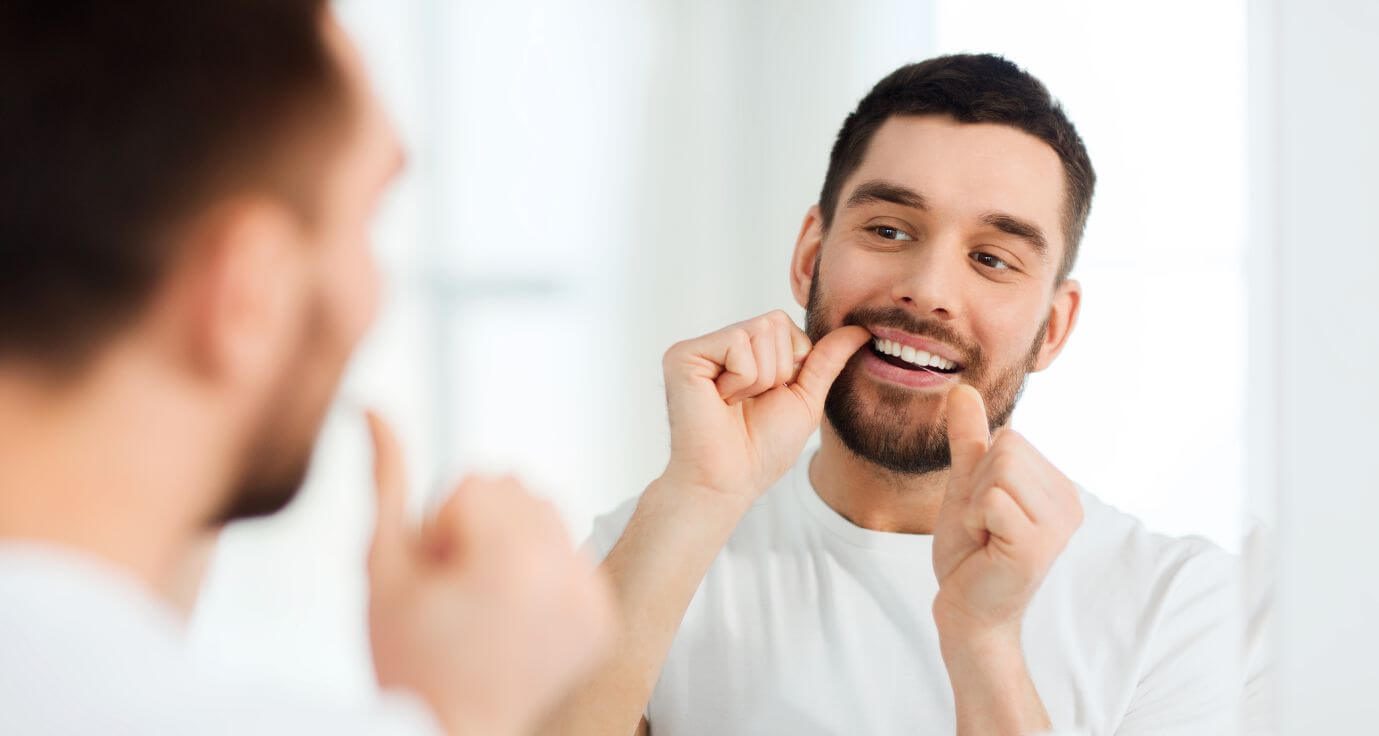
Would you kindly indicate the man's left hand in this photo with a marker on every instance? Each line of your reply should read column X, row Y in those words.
column 1007, row 515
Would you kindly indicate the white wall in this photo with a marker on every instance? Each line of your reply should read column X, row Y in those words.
column 1318, row 78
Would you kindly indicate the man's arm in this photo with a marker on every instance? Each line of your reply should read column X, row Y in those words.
column 992, row 689
column 739, row 416
column 655, row 568
column 1007, row 515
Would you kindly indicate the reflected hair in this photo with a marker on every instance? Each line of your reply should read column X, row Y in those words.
column 970, row 88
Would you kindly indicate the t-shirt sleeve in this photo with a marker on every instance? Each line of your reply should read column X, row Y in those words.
column 1257, row 705
column 1192, row 680
column 608, row 528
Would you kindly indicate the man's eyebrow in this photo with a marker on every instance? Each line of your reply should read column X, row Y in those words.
column 880, row 190
column 1024, row 229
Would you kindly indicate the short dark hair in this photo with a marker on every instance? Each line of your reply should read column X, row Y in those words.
column 970, row 88
column 121, row 120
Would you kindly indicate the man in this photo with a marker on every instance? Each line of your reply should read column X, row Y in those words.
column 926, row 570
column 184, row 269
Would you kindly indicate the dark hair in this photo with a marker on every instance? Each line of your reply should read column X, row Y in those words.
column 970, row 88
column 121, row 120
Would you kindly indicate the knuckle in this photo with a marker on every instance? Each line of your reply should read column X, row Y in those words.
column 993, row 500
column 672, row 353
column 1005, row 465
column 550, row 518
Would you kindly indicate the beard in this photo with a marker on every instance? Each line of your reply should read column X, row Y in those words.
column 895, row 428
column 281, row 442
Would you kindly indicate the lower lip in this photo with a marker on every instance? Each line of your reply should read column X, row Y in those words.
column 879, row 368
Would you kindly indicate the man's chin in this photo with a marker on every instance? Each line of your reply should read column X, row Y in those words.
column 265, row 494
column 908, row 407
column 891, row 427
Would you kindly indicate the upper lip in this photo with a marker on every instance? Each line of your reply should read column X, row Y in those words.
column 918, row 343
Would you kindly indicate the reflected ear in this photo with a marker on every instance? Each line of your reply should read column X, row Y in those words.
column 1067, row 300
column 806, row 256
column 240, row 291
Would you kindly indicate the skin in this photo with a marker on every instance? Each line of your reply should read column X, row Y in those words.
column 230, row 368
column 740, row 415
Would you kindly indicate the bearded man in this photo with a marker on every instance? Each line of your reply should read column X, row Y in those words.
column 926, row 570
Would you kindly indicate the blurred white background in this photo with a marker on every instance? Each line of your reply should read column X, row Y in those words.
column 593, row 181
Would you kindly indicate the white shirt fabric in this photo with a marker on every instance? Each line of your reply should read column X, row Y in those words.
column 86, row 649
column 808, row 625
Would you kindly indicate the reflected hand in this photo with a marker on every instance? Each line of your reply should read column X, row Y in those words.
column 1007, row 515
column 743, row 401
column 488, row 612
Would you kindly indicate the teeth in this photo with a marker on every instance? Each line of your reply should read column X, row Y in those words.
column 910, row 355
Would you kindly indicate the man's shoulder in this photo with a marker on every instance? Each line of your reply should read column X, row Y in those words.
column 87, row 649
column 1120, row 547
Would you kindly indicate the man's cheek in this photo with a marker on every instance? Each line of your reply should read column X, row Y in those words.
column 350, row 292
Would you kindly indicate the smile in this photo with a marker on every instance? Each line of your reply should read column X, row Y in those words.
column 907, row 357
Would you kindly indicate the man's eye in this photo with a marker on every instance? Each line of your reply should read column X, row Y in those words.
column 990, row 261
column 891, row 233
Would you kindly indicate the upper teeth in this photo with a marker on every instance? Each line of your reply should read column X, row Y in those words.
column 910, row 355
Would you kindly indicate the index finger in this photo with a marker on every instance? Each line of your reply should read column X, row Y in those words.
column 390, row 485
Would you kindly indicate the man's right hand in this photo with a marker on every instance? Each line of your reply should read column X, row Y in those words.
column 487, row 612
column 743, row 401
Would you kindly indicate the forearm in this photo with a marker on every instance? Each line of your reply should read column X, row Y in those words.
column 655, row 567
column 992, row 690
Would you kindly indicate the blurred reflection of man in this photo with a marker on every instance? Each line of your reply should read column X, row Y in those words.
column 926, row 570
column 185, row 267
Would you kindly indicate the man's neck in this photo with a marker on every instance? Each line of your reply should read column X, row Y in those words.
column 871, row 496
column 109, row 468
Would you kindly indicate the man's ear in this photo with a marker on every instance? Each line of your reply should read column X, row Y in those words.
column 241, row 289
column 1067, row 301
column 806, row 256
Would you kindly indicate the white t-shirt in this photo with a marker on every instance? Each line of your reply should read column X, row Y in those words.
column 808, row 625
column 86, row 649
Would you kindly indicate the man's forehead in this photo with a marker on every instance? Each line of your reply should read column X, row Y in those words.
column 375, row 140
column 968, row 169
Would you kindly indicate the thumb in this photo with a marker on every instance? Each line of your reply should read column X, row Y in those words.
column 969, row 433
column 825, row 362
column 390, row 484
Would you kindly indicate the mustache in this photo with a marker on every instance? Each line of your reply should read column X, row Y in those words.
column 901, row 320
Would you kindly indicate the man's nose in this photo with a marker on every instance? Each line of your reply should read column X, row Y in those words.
column 928, row 283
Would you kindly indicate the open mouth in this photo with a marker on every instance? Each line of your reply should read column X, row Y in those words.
column 906, row 357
